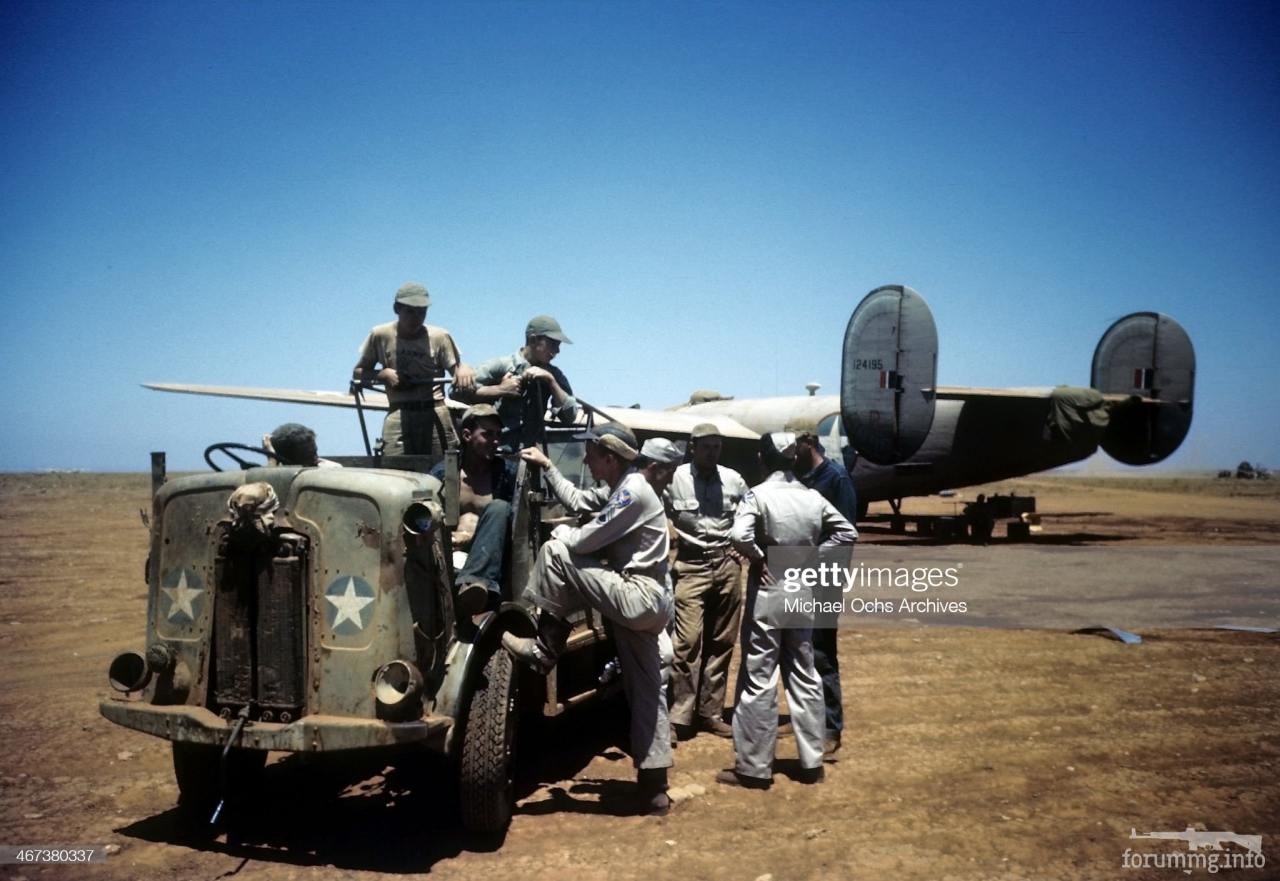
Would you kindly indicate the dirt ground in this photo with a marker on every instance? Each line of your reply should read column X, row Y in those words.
column 969, row 753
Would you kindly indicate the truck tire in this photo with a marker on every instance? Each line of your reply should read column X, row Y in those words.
column 195, row 765
column 486, row 790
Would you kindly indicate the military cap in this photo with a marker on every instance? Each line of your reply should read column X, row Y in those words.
column 704, row 429
column 413, row 294
column 780, row 444
column 661, row 450
column 545, row 325
column 478, row 411
column 614, row 438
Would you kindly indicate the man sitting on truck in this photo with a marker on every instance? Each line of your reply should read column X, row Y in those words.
column 486, row 485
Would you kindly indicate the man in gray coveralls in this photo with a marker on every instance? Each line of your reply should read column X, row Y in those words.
column 616, row 564
column 779, row 511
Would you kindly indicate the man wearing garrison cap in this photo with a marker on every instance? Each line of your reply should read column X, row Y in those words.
column 617, row 565
column 413, row 356
column 525, row 386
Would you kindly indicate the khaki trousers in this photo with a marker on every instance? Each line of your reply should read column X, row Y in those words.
column 564, row 582
column 412, row 431
column 708, row 607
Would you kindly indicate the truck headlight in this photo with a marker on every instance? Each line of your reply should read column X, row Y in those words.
column 129, row 672
column 397, row 689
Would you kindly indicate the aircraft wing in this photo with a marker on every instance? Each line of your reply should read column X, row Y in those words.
column 668, row 423
column 657, row 422
column 371, row 400
column 968, row 393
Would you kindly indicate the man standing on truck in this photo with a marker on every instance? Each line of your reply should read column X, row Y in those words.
column 413, row 355
column 525, row 386
column 617, row 565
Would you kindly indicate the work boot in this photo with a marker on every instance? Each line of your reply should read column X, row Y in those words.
column 718, row 727
column 733, row 778
column 652, row 795
column 831, row 744
column 472, row 597
column 811, row 776
column 542, row 651
column 683, row 732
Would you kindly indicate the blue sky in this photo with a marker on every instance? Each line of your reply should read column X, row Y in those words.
column 230, row 193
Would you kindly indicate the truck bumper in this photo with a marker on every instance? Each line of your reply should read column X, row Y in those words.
column 314, row 733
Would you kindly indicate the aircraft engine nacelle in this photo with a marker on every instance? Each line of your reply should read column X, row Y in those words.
column 1148, row 356
column 889, row 374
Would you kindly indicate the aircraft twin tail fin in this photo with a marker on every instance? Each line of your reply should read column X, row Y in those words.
column 1144, row 364
column 1149, row 357
column 889, row 374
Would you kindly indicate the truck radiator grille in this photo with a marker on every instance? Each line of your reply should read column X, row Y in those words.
column 259, row 639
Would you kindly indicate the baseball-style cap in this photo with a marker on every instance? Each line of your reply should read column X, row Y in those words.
column 779, row 443
column 413, row 294
column 614, row 438
column 478, row 411
column 661, row 450
column 704, row 429
column 545, row 325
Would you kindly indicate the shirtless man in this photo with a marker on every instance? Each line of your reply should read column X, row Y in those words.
column 485, row 489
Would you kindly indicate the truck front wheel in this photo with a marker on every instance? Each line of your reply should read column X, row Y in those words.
column 486, row 768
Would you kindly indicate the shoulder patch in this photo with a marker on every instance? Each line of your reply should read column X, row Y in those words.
column 621, row 499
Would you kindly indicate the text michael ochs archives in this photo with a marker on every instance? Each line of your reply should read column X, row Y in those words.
column 814, row 587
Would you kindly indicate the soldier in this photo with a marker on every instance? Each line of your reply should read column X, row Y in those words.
column 524, row 385
column 295, row 444
column 658, row 461
column 701, row 503
column 779, row 511
column 833, row 483
column 486, row 486
column 412, row 354
column 617, row 564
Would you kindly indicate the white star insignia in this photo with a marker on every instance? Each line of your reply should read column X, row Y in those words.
column 180, row 597
column 348, row 605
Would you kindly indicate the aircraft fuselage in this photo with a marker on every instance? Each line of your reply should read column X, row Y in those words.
column 971, row 441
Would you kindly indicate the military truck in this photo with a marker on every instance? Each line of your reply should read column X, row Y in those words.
column 328, row 625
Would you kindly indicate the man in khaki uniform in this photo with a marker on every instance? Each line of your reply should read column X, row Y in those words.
column 701, row 503
column 413, row 355
column 617, row 565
